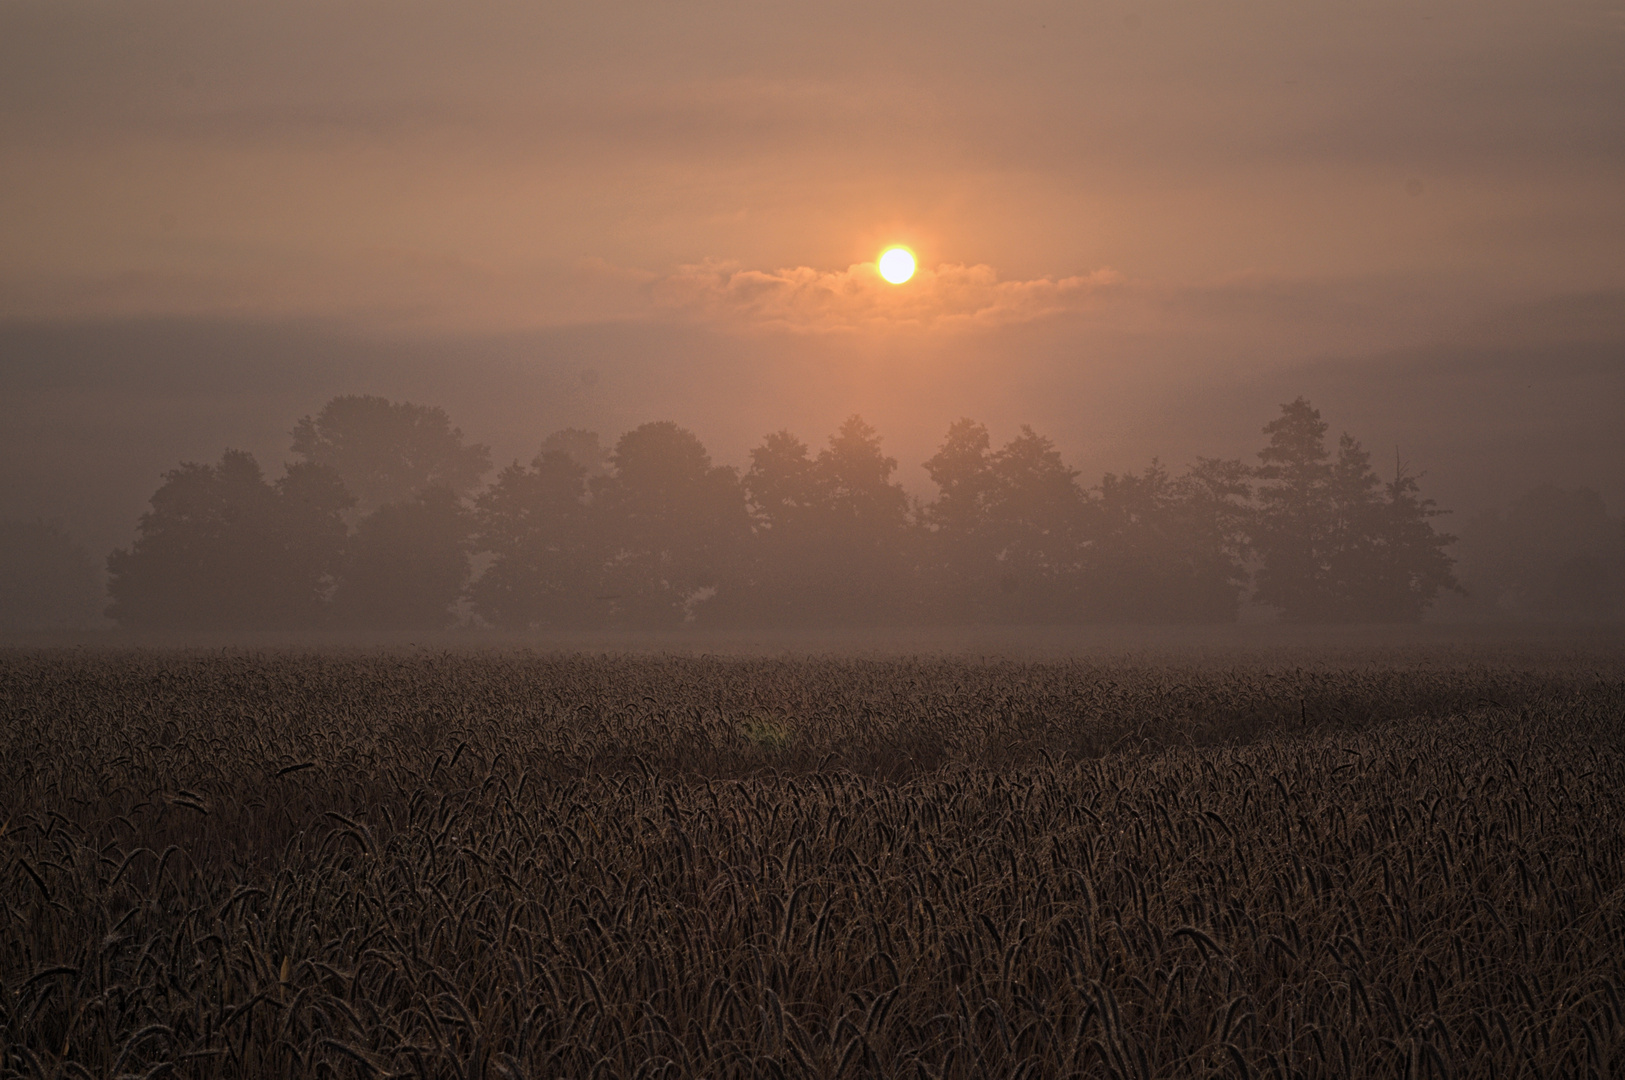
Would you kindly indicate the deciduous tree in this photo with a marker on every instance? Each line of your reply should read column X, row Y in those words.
column 676, row 526
column 1035, row 522
column 406, row 564
column 221, row 548
column 388, row 451
column 546, row 558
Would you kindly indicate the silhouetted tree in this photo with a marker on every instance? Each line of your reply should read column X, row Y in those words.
column 223, row 549
column 675, row 528
column 582, row 447
column 962, row 469
column 964, row 548
column 1166, row 548
column 1351, row 550
column 1384, row 562
column 833, row 535
column 406, row 564
column 865, row 526
column 787, row 574
column 782, row 485
column 1015, row 538
column 1215, row 517
column 1411, row 568
column 1295, row 513
column 1555, row 552
column 1035, row 520
column 47, row 582
column 1336, row 544
column 388, row 452
column 854, row 476
column 546, row 559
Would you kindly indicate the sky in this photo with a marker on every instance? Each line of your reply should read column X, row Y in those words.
column 1140, row 226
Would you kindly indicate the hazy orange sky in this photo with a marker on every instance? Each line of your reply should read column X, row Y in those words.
column 514, row 165
column 1114, row 203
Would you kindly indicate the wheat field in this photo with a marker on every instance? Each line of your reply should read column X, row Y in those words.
column 285, row 863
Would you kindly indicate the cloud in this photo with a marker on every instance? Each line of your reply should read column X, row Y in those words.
column 805, row 300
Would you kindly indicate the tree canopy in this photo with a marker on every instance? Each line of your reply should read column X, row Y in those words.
column 406, row 564
column 1335, row 543
column 386, row 451
column 222, row 548
column 652, row 533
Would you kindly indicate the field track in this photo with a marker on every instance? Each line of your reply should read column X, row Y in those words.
column 262, row 864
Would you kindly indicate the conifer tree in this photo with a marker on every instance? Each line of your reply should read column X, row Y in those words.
column 1336, row 543
column 1295, row 514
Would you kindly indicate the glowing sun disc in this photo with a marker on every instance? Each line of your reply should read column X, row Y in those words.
column 897, row 265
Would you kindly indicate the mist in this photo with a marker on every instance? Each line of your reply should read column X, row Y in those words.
column 1141, row 230
column 867, row 538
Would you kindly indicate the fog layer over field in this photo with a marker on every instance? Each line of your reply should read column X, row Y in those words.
column 1140, row 230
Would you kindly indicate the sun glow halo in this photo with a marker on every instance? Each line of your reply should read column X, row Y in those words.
column 897, row 265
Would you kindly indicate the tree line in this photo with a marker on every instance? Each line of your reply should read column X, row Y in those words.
column 382, row 521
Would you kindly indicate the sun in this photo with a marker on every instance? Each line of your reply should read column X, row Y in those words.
column 897, row 265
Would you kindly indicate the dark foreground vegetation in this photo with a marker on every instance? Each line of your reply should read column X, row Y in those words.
column 370, row 865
